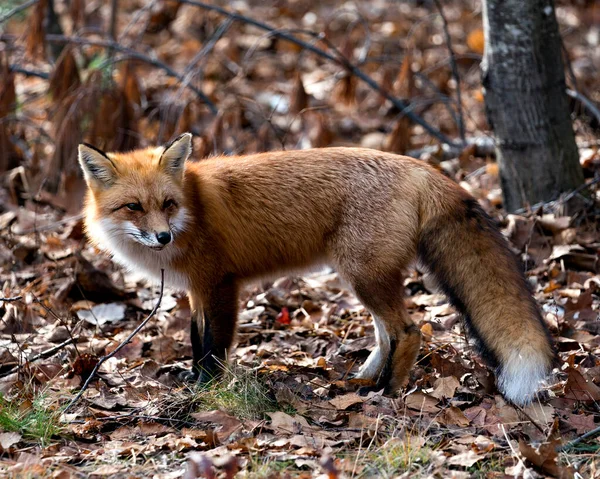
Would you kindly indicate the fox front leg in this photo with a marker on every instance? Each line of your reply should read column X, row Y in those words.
column 214, row 315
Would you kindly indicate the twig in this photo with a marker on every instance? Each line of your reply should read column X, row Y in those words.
column 57, row 317
column 11, row 300
column 51, row 226
column 63, row 39
column 120, row 346
column 29, row 73
column 555, row 203
column 354, row 70
column 138, row 56
column 520, row 409
column 121, row 417
column 454, row 67
column 587, row 103
column 18, row 9
column 581, row 438
column 43, row 355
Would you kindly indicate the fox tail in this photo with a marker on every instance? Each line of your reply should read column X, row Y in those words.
column 473, row 265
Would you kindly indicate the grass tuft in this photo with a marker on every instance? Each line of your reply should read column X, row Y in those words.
column 239, row 392
column 32, row 418
column 397, row 456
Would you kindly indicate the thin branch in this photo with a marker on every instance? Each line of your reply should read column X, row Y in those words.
column 120, row 346
column 576, row 441
column 454, row 67
column 63, row 39
column 11, row 300
column 587, row 103
column 401, row 105
column 17, row 10
column 29, row 73
column 556, row 203
column 43, row 355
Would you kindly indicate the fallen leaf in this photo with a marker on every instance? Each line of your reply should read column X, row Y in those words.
column 580, row 389
column 103, row 313
column 288, row 424
column 8, row 439
column 465, row 459
column 421, row 402
column 346, row 400
column 227, row 424
column 445, row 387
column 545, row 458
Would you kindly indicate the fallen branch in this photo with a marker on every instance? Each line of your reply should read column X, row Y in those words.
column 581, row 438
column 43, row 355
column 106, row 357
column 342, row 61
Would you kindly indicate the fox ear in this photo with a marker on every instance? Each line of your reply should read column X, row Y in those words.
column 98, row 169
column 175, row 153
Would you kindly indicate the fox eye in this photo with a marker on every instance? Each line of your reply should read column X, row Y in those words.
column 134, row 207
column 168, row 204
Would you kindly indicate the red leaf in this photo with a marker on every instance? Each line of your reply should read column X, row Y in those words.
column 284, row 316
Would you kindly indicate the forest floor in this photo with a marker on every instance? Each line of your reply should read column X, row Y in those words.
column 286, row 406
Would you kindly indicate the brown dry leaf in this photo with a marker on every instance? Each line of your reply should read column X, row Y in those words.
column 545, row 458
column 476, row 41
column 299, row 99
column 452, row 416
column 130, row 85
column 227, row 424
column 65, row 76
column 345, row 90
column 347, row 400
column 404, row 86
column 421, row 402
column 582, row 423
column 283, row 422
column 445, row 387
column 35, row 42
column 399, row 140
column 163, row 16
column 580, row 389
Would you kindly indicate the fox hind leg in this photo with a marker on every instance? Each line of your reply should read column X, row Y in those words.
column 376, row 362
column 398, row 338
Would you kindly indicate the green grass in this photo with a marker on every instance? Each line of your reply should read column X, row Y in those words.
column 395, row 456
column 239, row 392
column 34, row 419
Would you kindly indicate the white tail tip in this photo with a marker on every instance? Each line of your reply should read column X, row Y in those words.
column 520, row 377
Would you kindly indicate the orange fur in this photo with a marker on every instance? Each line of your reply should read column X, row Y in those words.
column 368, row 213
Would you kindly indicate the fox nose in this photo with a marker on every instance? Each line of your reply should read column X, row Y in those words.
column 164, row 237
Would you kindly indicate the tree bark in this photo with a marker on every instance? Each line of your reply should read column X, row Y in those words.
column 526, row 102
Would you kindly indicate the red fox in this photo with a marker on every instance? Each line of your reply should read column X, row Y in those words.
column 214, row 223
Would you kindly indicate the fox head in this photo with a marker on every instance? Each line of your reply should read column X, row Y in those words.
column 136, row 198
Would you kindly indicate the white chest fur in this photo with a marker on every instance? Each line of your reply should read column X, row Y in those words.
column 112, row 237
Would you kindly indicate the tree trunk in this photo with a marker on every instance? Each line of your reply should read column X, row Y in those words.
column 526, row 102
